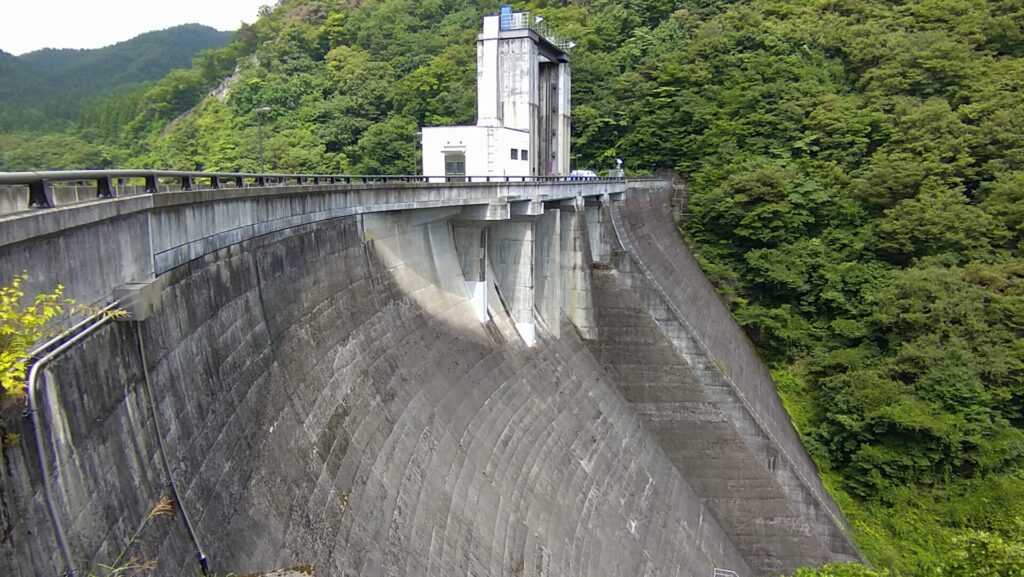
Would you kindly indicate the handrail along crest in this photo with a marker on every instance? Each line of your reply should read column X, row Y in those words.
column 39, row 182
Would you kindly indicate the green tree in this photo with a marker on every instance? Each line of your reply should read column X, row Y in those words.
column 983, row 554
column 21, row 327
column 840, row 570
column 938, row 221
column 387, row 147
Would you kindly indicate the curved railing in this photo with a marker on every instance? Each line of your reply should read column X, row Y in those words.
column 106, row 182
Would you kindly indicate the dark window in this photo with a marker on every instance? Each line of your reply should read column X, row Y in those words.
column 523, row 155
column 515, row 154
column 455, row 167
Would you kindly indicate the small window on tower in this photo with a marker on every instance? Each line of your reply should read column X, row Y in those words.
column 515, row 154
column 523, row 156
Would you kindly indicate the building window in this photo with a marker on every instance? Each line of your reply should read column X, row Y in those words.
column 455, row 167
column 523, row 156
column 515, row 154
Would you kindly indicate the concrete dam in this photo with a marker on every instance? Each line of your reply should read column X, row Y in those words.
column 472, row 379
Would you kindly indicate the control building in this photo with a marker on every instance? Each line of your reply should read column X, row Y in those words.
column 523, row 107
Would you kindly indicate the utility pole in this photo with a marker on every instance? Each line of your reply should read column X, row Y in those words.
column 259, row 130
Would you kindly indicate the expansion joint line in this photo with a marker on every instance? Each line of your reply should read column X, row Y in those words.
column 201, row 557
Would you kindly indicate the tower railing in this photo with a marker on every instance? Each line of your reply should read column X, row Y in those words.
column 526, row 21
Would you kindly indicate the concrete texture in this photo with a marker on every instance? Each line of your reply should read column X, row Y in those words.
column 575, row 260
column 703, row 391
column 14, row 198
column 510, row 251
column 547, row 269
column 330, row 398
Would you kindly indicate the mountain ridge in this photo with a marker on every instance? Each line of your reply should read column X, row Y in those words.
column 50, row 87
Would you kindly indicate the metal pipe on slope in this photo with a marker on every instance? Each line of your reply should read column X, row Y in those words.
column 98, row 320
column 151, row 401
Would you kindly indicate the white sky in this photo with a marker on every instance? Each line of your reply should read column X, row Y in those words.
column 27, row 25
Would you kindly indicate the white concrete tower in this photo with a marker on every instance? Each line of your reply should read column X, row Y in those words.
column 523, row 106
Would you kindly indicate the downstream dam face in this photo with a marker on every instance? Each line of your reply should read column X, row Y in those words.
column 525, row 379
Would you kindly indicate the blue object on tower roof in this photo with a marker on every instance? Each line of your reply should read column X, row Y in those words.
column 506, row 18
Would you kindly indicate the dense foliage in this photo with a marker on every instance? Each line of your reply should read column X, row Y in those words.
column 857, row 178
column 21, row 326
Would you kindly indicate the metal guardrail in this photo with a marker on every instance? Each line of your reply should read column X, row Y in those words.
column 39, row 183
column 526, row 21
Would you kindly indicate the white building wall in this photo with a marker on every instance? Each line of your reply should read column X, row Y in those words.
column 505, row 140
column 488, row 150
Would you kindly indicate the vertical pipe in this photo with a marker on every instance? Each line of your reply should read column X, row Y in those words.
column 151, row 401
column 101, row 318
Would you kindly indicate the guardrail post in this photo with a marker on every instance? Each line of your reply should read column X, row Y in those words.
column 103, row 187
column 39, row 194
column 214, row 182
column 186, row 182
column 152, row 185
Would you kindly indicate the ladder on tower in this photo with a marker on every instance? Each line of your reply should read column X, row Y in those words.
column 491, row 152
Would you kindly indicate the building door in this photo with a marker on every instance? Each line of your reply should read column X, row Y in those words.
column 455, row 167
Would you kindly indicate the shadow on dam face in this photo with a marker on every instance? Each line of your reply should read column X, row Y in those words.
column 329, row 398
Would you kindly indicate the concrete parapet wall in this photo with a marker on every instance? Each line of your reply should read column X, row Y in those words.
column 14, row 198
column 105, row 243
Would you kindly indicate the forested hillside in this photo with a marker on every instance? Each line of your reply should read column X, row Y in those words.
column 50, row 87
column 857, row 177
column 856, row 170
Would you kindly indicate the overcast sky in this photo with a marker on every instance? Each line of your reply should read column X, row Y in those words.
column 27, row 25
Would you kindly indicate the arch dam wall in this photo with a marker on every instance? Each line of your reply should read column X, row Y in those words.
column 521, row 379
